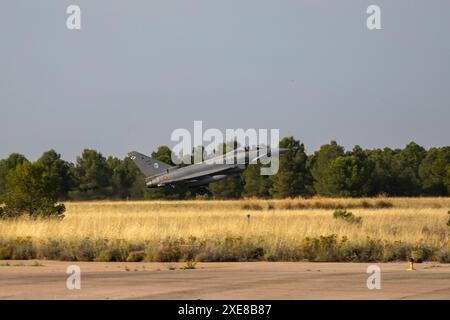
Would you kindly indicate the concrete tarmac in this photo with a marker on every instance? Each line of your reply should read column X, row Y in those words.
column 246, row 280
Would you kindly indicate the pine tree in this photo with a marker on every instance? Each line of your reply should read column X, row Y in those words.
column 31, row 191
column 6, row 165
column 320, row 164
column 293, row 178
column 93, row 176
column 60, row 170
column 433, row 171
column 256, row 185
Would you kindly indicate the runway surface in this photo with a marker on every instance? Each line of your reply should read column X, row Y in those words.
column 247, row 280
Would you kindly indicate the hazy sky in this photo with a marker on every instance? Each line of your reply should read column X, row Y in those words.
column 137, row 70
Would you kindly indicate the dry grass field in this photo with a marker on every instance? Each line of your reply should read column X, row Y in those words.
column 276, row 230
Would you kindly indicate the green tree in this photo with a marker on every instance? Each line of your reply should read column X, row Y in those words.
column 93, row 176
column 164, row 154
column 433, row 171
column 406, row 167
column 6, row 165
column 349, row 175
column 31, row 191
column 293, row 178
column 383, row 176
column 320, row 164
column 60, row 170
column 229, row 188
column 123, row 177
column 256, row 185
column 447, row 179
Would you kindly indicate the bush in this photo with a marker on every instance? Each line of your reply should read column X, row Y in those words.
column 321, row 249
column 84, row 250
column 169, row 252
column 136, row 256
column 53, row 250
column 6, row 213
column 396, row 251
column 23, row 249
column 422, row 253
column 230, row 249
column 285, row 252
column 346, row 216
column 368, row 251
column 235, row 249
column 324, row 248
column 443, row 255
column 118, row 250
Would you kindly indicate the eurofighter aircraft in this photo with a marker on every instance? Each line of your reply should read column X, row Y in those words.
column 159, row 174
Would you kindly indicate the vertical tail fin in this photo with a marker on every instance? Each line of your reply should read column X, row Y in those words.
column 148, row 166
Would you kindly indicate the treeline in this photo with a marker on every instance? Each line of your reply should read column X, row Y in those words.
column 330, row 171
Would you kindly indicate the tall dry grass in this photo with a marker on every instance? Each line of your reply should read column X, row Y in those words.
column 265, row 223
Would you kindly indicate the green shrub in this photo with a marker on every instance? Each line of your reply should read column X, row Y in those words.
column 83, row 250
column 368, row 251
column 422, row 253
column 396, row 251
column 328, row 248
column 232, row 249
column 324, row 248
column 346, row 216
column 104, row 255
column 23, row 249
column 443, row 255
column 285, row 252
column 112, row 254
column 53, row 250
column 118, row 250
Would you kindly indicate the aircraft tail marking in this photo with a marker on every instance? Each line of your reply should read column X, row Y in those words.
column 148, row 166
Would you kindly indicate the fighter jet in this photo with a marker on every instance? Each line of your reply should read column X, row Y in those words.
column 159, row 174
